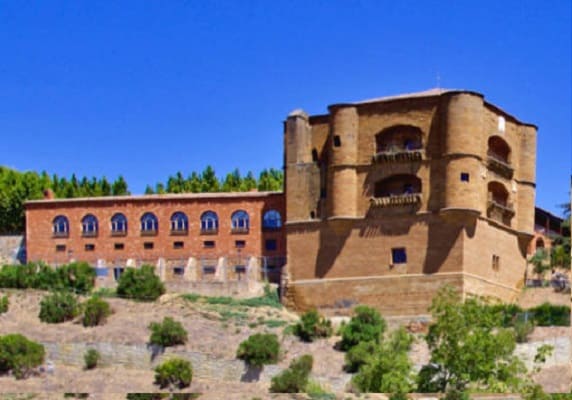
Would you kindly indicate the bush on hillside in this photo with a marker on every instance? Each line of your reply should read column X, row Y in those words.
column 174, row 373
column 140, row 284
column 295, row 378
column 91, row 358
column 4, row 303
column 359, row 355
column 367, row 325
column 95, row 312
column 19, row 355
column 167, row 333
column 259, row 349
column 78, row 277
column 312, row 325
column 548, row 314
column 58, row 307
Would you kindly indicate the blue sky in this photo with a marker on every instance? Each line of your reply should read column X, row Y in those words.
column 148, row 88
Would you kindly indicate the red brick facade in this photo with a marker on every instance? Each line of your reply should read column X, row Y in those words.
column 113, row 248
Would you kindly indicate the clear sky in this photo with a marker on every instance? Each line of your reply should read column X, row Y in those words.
column 148, row 88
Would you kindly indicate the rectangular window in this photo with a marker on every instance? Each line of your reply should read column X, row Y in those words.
column 209, row 244
column 179, row 271
column 271, row 244
column 148, row 245
column 118, row 246
column 60, row 247
column 337, row 141
column 239, row 244
column 398, row 256
column 464, row 177
column 178, row 245
column 496, row 262
column 89, row 247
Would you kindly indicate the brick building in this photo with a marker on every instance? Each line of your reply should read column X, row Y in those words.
column 385, row 201
column 213, row 229
column 388, row 199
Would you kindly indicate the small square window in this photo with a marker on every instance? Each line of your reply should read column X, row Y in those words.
column 179, row 271
column 118, row 246
column 398, row 256
column 209, row 244
column 89, row 247
column 464, row 177
column 271, row 244
column 148, row 245
column 60, row 248
column 178, row 245
column 337, row 141
column 240, row 244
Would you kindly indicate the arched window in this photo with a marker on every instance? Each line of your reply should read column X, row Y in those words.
column 399, row 138
column 240, row 221
column 499, row 207
column 179, row 223
column 271, row 220
column 89, row 225
column 499, row 149
column 539, row 244
column 498, row 193
column 60, row 226
column 149, row 224
column 118, row 224
column 209, row 222
column 397, row 185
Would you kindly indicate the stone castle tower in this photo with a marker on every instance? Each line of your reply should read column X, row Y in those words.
column 390, row 198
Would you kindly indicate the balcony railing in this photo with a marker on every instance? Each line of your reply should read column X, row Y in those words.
column 149, row 232
column 396, row 154
column 209, row 231
column 60, row 234
column 179, row 232
column 500, row 166
column 118, row 233
column 500, row 212
column 396, row 200
column 240, row 229
column 89, row 234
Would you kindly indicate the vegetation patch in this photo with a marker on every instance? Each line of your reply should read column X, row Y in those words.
column 4, row 303
column 313, row 326
column 91, row 358
column 19, row 355
column 140, row 284
column 259, row 349
column 95, row 312
column 366, row 325
column 295, row 378
column 175, row 373
column 58, row 307
column 167, row 333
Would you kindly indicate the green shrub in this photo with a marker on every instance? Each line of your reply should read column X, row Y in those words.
column 91, row 358
column 167, row 333
column 58, row 307
column 95, row 312
column 140, row 284
column 295, row 378
column 259, row 349
column 359, row 355
column 454, row 394
column 19, row 355
column 176, row 373
column 522, row 329
column 367, row 325
column 312, row 325
column 78, row 277
column 4, row 303
column 398, row 396
column 548, row 314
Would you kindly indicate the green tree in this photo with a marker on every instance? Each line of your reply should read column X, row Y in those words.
column 468, row 347
column 140, row 284
column 19, row 355
column 209, row 180
column 232, row 182
column 367, row 325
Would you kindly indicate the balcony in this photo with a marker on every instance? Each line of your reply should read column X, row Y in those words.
column 209, row 231
column 60, row 234
column 398, row 154
column 501, row 167
column 500, row 212
column 119, row 233
column 179, row 232
column 89, row 234
column 402, row 200
column 149, row 232
column 240, row 230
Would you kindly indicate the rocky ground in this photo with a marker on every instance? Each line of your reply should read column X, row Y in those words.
column 215, row 329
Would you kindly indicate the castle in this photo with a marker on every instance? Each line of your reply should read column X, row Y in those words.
column 384, row 201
